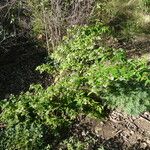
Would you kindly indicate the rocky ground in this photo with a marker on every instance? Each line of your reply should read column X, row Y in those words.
column 120, row 131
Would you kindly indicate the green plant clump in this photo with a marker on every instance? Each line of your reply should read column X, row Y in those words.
column 87, row 77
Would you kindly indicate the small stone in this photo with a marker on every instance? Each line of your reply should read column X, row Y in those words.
column 143, row 124
column 143, row 145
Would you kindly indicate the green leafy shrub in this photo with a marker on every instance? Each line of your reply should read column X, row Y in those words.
column 100, row 72
column 25, row 127
column 87, row 77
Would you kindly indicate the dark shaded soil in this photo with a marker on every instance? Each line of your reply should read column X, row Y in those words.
column 18, row 60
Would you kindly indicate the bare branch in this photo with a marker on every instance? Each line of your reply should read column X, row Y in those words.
column 7, row 4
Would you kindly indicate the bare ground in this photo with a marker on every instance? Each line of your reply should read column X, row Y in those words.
column 121, row 131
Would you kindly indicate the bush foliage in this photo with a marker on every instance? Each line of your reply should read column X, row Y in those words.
column 87, row 77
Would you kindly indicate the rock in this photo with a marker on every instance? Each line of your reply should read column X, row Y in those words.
column 143, row 124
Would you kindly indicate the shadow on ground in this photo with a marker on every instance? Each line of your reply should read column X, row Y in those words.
column 18, row 59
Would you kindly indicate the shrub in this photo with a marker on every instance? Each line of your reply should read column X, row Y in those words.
column 87, row 77
column 26, row 129
column 106, row 74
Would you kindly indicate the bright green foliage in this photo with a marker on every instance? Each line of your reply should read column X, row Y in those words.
column 24, row 119
column 87, row 76
column 101, row 73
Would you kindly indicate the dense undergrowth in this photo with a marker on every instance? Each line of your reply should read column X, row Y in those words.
column 88, row 77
